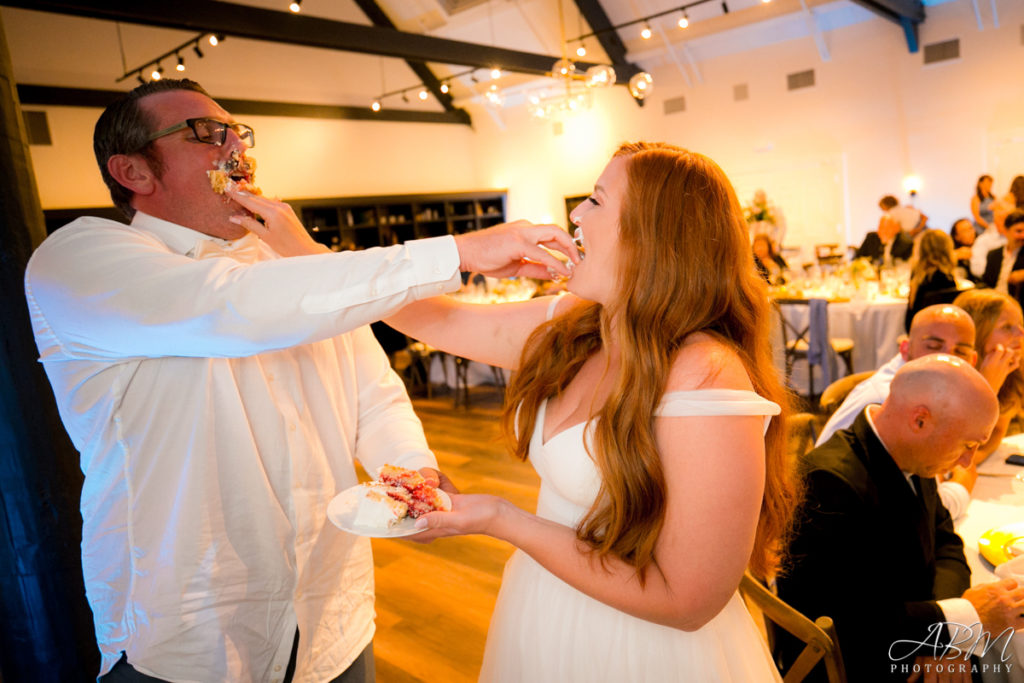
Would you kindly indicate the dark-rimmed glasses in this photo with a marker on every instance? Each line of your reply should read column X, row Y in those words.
column 210, row 131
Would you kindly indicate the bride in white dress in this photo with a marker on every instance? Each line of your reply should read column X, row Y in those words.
column 644, row 399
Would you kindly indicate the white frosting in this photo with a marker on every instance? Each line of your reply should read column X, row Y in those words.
column 377, row 509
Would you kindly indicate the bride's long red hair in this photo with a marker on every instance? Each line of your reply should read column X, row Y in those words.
column 685, row 267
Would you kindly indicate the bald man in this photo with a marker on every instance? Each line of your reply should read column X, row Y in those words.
column 873, row 547
column 943, row 328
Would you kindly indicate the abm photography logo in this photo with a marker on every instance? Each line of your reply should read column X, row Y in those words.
column 955, row 655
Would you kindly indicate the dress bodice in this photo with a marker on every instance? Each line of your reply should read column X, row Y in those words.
column 569, row 478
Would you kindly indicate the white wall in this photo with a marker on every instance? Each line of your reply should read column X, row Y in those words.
column 825, row 154
column 296, row 158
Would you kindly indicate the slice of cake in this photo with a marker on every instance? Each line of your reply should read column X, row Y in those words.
column 424, row 497
column 378, row 508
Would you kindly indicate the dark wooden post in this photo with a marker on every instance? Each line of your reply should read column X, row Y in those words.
column 46, row 630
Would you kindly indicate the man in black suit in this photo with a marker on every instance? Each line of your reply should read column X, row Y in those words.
column 1011, row 279
column 875, row 549
column 886, row 244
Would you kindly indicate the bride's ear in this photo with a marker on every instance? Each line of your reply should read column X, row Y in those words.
column 133, row 172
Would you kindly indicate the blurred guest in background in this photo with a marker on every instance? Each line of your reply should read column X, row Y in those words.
column 993, row 237
column 1015, row 197
column 931, row 278
column 769, row 262
column 910, row 219
column 886, row 244
column 1004, row 266
column 764, row 217
column 981, row 203
column 964, row 237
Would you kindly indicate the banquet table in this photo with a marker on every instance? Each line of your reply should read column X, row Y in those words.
column 997, row 500
column 873, row 322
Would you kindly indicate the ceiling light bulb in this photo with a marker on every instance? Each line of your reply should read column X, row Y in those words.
column 181, row 64
column 495, row 73
column 646, row 32
column 376, row 105
column 640, row 85
column 684, row 21
column 444, row 88
column 296, row 6
column 157, row 73
column 581, row 51
column 423, row 94
column 214, row 40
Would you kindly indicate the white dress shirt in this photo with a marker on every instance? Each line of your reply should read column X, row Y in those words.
column 218, row 395
column 985, row 242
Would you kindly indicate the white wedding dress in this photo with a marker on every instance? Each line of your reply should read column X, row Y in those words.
column 544, row 630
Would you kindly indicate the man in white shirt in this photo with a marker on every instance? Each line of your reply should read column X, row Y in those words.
column 1004, row 266
column 875, row 550
column 910, row 219
column 219, row 396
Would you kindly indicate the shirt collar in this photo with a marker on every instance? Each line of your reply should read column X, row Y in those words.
column 180, row 239
column 871, row 423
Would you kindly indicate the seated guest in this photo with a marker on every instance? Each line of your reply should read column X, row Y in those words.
column 964, row 237
column 999, row 325
column 768, row 261
column 910, row 219
column 993, row 237
column 886, row 244
column 932, row 280
column 935, row 329
column 874, row 549
column 1004, row 266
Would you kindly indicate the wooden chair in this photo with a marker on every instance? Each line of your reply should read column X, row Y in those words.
column 836, row 393
column 828, row 254
column 819, row 635
column 796, row 343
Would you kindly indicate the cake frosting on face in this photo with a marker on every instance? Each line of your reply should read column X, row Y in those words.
column 237, row 171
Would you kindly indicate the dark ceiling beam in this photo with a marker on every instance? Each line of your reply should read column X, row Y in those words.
column 377, row 17
column 42, row 95
column 908, row 14
column 213, row 16
column 609, row 39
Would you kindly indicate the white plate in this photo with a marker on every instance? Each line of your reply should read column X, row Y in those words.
column 342, row 513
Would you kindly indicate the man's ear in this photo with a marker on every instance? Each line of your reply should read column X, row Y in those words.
column 920, row 418
column 905, row 348
column 133, row 172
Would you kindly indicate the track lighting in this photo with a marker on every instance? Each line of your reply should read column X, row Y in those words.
column 444, row 88
column 174, row 53
column 181, row 63
column 296, row 6
column 195, row 48
column 645, row 32
column 581, row 51
column 495, row 73
column 423, row 94
column 157, row 73
column 376, row 105
column 215, row 39
column 684, row 21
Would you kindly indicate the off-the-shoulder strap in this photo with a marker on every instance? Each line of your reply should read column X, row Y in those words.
column 715, row 402
column 553, row 305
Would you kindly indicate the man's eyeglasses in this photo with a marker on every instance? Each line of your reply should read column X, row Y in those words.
column 210, row 131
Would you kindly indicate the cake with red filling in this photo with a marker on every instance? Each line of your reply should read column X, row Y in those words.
column 396, row 495
column 235, row 172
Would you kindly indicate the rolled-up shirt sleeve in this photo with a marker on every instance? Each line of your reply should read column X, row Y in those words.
column 100, row 290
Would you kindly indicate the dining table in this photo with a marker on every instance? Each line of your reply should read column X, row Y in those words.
column 997, row 501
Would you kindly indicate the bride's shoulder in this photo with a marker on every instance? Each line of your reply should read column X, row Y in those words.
column 707, row 362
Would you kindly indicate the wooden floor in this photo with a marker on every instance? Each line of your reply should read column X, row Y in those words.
column 434, row 601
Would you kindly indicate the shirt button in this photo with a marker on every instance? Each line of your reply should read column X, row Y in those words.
column 277, row 668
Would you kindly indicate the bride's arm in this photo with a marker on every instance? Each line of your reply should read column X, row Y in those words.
column 714, row 472
column 489, row 333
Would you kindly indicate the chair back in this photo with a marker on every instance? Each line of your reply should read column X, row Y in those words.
column 809, row 341
column 828, row 254
column 819, row 635
column 836, row 393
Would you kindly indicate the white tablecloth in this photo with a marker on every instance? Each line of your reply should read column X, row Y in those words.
column 997, row 500
column 874, row 325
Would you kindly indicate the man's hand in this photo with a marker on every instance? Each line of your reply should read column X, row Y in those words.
column 1000, row 605
column 965, row 476
column 280, row 228
column 514, row 249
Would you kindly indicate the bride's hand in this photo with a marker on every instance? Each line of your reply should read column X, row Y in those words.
column 280, row 227
column 470, row 514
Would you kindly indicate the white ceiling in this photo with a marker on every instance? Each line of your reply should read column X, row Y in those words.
column 61, row 50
